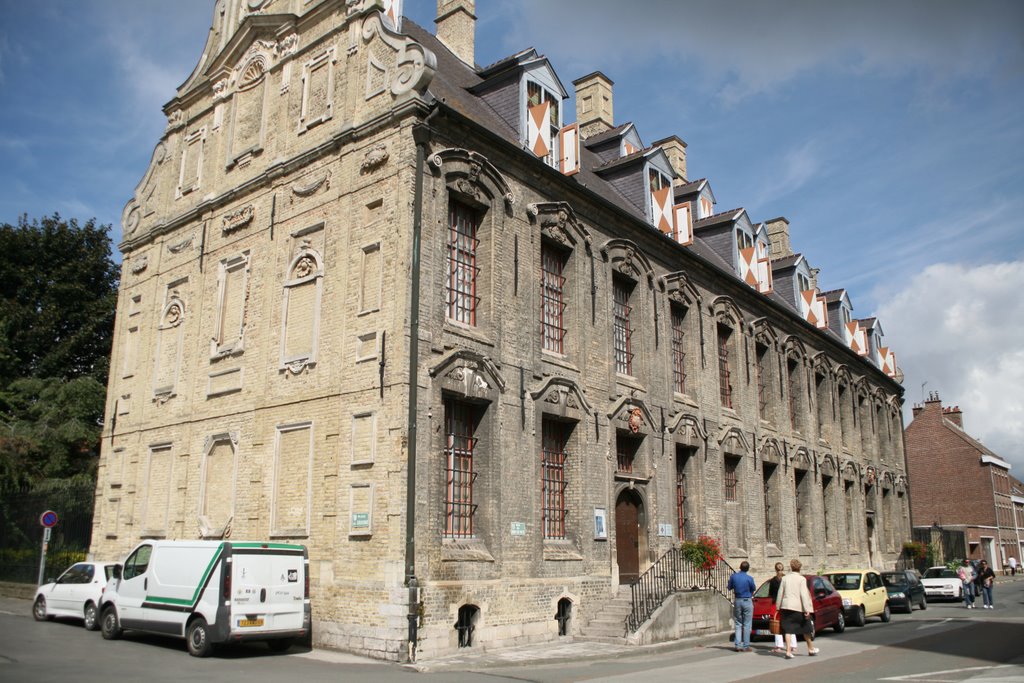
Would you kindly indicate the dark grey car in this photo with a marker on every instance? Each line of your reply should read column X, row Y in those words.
column 905, row 590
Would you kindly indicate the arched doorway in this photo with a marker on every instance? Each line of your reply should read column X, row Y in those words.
column 629, row 526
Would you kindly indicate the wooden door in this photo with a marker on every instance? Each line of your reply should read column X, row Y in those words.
column 627, row 536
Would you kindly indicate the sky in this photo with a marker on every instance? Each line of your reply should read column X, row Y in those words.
column 888, row 133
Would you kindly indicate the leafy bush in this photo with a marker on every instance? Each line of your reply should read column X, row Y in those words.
column 916, row 550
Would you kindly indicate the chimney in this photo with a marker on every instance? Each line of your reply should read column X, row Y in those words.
column 456, row 28
column 675, row 148
column 594, row 104
column 778, row 237
column 916, row 410
column 954, row 415
column 814, row 277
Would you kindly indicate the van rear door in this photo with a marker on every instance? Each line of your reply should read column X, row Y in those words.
column 268, row 591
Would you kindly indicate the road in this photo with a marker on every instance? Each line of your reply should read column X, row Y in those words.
column 944, row 644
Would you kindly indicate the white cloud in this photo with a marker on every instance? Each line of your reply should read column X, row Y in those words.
column 799, row 166
column 959, row 328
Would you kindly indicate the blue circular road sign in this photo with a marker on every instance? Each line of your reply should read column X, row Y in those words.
column 48, row 519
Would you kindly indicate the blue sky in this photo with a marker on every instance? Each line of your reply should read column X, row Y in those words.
column 888, row 133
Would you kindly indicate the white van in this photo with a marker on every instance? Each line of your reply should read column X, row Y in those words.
column 210, row 592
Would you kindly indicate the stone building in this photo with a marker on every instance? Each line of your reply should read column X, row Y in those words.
column 943, row 459
column 486, row 363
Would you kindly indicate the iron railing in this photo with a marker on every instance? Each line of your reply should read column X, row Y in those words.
column 669, row 574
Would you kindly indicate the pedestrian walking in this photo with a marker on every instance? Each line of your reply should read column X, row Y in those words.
column 1013, row 565
column 773, row 594
column 742, row 585
column 986, row 577
column 796, row 609
column 966, row 574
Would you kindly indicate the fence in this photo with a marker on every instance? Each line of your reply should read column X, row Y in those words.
column 21, row 534
column 670, row 573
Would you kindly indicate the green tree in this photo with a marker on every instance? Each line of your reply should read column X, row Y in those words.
column 58, row 293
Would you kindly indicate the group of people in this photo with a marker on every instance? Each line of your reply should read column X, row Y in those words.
column 977, row 581
column 790, row 594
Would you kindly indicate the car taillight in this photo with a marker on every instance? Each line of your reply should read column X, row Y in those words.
column 305, row 586
column 226, row 568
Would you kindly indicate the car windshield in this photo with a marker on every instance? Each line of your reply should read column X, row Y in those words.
column 845, row 582
column 940, row 573
column 895, row 579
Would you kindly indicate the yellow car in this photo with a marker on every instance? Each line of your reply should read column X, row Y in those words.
column 864, row 595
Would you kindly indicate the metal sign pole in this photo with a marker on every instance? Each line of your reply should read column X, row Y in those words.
column 42, row 558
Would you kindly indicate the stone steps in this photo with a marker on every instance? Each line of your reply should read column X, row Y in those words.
column 609, row 624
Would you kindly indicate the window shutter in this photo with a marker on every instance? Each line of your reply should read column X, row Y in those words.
column 538, row 130
column 764, row 268
column 661, row 205
column 569, row 142
column 747, row 271
column 684, row 224
column 888, row 361
column 813, row 308
column 627, row 148
column 393, row 14
column 857, row 338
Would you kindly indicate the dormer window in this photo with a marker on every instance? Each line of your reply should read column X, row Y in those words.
column 706, row 207
column 743, row 240
column 543, row 121
column 802, row 282
column 661, row 200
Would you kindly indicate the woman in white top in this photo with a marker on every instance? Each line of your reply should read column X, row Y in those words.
column 796, row 611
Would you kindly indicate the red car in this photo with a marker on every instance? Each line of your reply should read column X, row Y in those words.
column 828, row 607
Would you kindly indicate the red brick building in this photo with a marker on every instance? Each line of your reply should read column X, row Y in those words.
column 960, row 484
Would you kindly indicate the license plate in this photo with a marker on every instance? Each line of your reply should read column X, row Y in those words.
column 762, row 632
column 242, row 623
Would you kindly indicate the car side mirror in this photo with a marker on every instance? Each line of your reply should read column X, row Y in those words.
column 116, row 572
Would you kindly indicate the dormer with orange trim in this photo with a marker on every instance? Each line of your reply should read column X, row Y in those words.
column 840, row 314
column 644, row 178
column 689, row 198
column 525, row 91
column 793, row 280
column 878, row 352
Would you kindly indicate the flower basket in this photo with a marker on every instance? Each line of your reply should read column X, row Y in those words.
column 704, row 554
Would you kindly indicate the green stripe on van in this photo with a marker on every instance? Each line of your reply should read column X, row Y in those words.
column 269, row 546
column 199, row 588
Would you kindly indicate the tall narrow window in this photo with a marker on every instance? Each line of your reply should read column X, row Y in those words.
column 772, row 518
column 460, row 443
column 761, row 360
column 724, row 385
column 845, row 430
column 625, row 451
column 463, row 223
column 552, row 298
column 803, row 506
column 682, row 518
column 554, row 437
column 792, row 368
column 827, row 493
column 852, row 538
column 678, row 349
column 823, row 400
column 623, row 332
column 731, row 483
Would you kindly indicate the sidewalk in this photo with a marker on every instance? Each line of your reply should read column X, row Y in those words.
column 561, row 651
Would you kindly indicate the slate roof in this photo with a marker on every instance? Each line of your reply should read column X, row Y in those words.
column 721, row 217
column 786, row 261
column 607, row 135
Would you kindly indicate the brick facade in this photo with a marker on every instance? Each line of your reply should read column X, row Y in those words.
column 263, row 337
column 942, row 457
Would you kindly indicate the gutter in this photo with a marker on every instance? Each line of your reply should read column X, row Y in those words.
column 421, row 135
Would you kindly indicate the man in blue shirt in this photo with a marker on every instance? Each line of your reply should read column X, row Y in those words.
column 742, row 585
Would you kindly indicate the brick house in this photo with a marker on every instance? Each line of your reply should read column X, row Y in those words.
column 961, row 485
column 487, row 364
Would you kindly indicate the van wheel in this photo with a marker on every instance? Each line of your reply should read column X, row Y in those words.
column 279, row 644
column 39, row 610
column 887, row 614
column 860, row 617
column 91, row 617
column 840, row 623
column 110, row 625
column 198, row 638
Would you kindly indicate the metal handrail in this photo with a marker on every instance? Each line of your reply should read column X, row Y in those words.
column 671, row 573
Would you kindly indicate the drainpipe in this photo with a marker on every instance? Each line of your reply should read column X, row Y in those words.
column 421, row 135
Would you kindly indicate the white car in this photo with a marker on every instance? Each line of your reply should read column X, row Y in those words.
column 942, row 583
column 75, row 593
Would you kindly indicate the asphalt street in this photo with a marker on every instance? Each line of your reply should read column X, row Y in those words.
column 944, row 644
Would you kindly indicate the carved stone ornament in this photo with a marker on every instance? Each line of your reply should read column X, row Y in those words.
column 457, row 374
column 570, row 401
column 376, row 157
column 181, row 245
column 305, row 267
column 414, row 65
column 297, row 366
column 220, row 89
column 353, row 6
column 175, row 119
column 554, row 397
column 626, row 266
column 139, row 264
column 871, row 476
column 237, row 219
column 636, row 420
column 174, row 314
column 310, row 188
column 467, row 188
column 288, row 45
